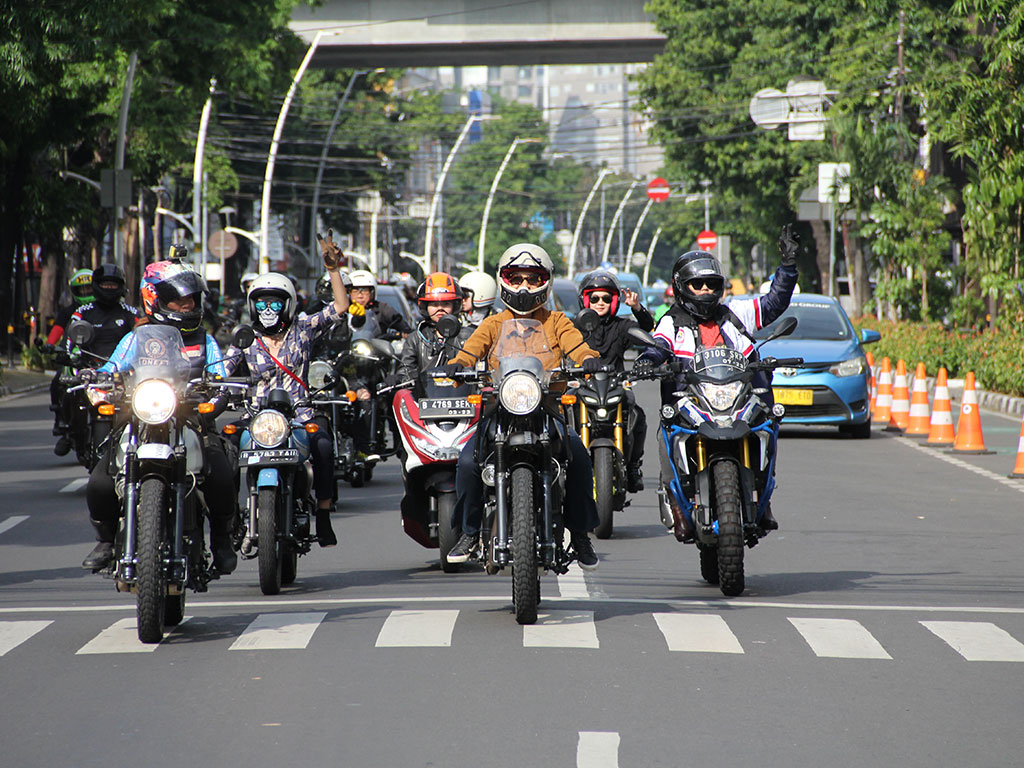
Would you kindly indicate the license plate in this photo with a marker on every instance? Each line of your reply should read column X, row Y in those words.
column 270, row 456
column 790, row 396
column 445, row 407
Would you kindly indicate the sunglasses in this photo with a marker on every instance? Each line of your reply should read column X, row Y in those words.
column 713, row 283
column 527, row 279
column 600, row 298
column 275, row 305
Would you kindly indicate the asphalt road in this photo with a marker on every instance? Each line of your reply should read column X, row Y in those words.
column 882, row 625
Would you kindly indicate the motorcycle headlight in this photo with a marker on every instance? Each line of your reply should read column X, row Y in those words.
column 269, row 428
column 363, row 348
column 721, row 397
column 589, row 400
column 852, row 367
column 520, row 393
column 397, row 345
column 319, row 373
column 154, row 401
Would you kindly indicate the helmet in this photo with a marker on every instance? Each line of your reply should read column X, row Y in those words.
column 272, row 286
column 166, row 281
column 362, row 278
column 324, row 292
column 81, row 286
column 600, row 281
column 481, row 287
column 246, row 281
column 438, row 286
column 525, row 257
column 108, row 273
column 691, row 265
column 670, row 293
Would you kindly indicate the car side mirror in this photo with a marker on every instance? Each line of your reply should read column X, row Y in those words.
column 869, row 336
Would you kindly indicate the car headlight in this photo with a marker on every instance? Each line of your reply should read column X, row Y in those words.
column 269, row 428
column 154, row 401
column 721, row 397
column 852, row 367
column 319, row 373
column 520, row 393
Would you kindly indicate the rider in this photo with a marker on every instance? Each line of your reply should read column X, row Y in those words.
column 479, row 291
column 438, row 295
column 112, row 319
column 80, row 288
column 524, row 277
column 364, row 292
column 600, row 292
column 172, row 294
column 699, row 319
column 280, row 357
column 666, row 303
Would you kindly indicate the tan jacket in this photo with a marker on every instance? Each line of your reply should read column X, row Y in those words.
column 562, row 336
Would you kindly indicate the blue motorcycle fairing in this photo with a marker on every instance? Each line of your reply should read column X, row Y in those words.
column 267, row 478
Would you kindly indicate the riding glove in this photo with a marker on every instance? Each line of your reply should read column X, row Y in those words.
column 789, row 245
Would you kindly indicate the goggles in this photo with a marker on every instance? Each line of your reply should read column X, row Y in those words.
column 531, row 279
column 275, row 305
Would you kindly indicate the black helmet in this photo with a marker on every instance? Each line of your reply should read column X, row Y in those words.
column 108, row 273
column 693, row 265
column 600, row 281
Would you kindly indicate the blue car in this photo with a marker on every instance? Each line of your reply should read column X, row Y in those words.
column 833, row 386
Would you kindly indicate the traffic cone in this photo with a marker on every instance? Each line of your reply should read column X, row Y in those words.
column 968, row 429
column 1018, row 469
column 941, row 433
column 872, row 387
column 899, row 412
column 883, row 402
column 920, row 418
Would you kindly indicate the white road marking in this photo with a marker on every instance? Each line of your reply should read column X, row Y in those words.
column 1016, row 485
column 597, row 749
column 74, row 485
column 978, row 640
column 278, row 631
column 14, row 633
column 411, row 629
column 573, row 583
column 562, row 629
column 12, row 521
column 697, row 633
column 122, row 637
column 839, row 639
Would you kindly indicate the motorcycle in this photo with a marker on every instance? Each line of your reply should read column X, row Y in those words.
column 721, row 438
column 159, row 550
column 374, row 360
column 86, row 410
column 435, row 421
column 524, row 461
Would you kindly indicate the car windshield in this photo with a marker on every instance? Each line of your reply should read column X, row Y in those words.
column 815, row 320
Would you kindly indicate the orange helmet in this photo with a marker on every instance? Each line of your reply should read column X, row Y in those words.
column 438, row 286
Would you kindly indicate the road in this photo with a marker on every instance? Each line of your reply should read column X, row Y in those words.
column 882, row 625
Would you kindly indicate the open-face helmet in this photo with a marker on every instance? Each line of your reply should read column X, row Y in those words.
column 272, row 303
column 698, row 266
column 481, row 287
column 525, row 296
column 324, row 292
column 108, row 273
column 438, row 286
column 601, row 282
column 363, row 278
column 166, row 281
column 80, row 286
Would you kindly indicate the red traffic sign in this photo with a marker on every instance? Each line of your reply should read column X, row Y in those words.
column 707, row 240
column 658, row 190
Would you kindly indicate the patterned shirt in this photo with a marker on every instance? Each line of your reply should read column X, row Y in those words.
column 295, row 354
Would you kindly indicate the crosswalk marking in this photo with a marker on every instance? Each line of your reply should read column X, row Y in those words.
column 411, row 629
column 74, row 485
column 839, row 639
column 121, row 637
column 562, row 629
column 278, row 631
column 597, row 749
column 977, row 640
column 697, row 633
column 12, row 521
column 14, row 633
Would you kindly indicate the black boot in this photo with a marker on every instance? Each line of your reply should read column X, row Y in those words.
column 634, row 478
column 224, row 558
column 63, row 446
column 768, row 521
column 324, row 531
column 102, row 554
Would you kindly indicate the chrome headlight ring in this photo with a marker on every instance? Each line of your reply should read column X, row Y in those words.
column 520, row 393
column 154, row 401
column 721, row 397
column 269, row 428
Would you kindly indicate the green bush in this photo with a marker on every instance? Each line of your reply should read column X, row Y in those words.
column 996, row 356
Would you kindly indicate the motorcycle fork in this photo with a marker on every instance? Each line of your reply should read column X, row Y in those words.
column 131, row 512
column 500, row 541
column 584, row 426
column 618, row 430
column 548, row 545
column 180, row 492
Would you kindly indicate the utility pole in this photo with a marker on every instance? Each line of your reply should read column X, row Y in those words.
column 898, row 112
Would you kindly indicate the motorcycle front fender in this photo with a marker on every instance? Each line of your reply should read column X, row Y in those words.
column 602, row 442
column 267, row 478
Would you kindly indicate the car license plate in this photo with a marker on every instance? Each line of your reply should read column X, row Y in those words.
column 445, row 407
column 270, row 456
column 791, row 396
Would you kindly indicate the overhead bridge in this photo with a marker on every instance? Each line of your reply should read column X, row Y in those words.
column 434, row 33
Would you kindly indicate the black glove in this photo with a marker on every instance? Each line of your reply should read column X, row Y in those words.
column 592, row 365
column 789, row 245
column 88, row 375
column 445, row 371
column 642, row 367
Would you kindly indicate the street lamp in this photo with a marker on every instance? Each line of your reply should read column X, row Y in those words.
column 198, row 177
column 636, row 229
column 615, row 220
column 579, row 222
column 490, row 197
column 650, row 254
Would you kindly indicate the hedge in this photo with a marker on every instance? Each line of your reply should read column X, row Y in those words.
column 996, row 356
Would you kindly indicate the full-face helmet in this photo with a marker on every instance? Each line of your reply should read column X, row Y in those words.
column 105, row 275
column 166, row 281
column 80, row 286
column 532, row 263
column 698, row 267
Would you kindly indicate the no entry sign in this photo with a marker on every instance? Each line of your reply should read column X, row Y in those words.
column 657, row 190
column 707, row 240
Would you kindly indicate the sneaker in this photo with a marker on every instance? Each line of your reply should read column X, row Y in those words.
column 584, row 550
column 463, row 548
column 324, row 531
column 63, row 446
column 101, row 556
column 634, row 478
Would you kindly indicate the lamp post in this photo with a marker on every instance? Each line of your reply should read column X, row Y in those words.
column 490, row 198
column 198, row 176
column 615, row 220
column 579, row 222
column 650, row 254
column 636, row 229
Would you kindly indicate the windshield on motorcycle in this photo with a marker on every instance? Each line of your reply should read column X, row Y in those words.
column 522, row 344
column 159, row 354
column 719, row 364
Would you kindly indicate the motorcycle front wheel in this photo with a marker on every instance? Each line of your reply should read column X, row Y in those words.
column 604, row 491
column 150, row 577
column 729, row 510
column 525, row 578
column 269, row 554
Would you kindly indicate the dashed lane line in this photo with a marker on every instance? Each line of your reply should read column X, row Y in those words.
column 74, row 485
column 1016, row 485
column 597, row 749
column 12, row 521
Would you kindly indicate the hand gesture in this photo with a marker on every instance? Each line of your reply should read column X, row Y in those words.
column 632, row 298
column 333, row 257
column 789, row 245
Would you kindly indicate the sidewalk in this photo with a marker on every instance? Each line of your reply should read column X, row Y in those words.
column 18, row 380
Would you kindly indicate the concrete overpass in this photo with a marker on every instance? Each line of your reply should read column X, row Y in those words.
column 434, row 33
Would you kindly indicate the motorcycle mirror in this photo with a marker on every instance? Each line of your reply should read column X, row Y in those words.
column 81, row 333
column 587, row 320
column 243, row 336
column 382, row 347
column 449, row 326
column 786, row 326
column 641, row 336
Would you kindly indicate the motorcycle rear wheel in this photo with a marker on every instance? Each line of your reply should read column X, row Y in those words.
column 150, row 577
column 447, row 534
column 269, row 554
column 709, row 564
column 604, row 491
column 525, row 578
column 729, row 510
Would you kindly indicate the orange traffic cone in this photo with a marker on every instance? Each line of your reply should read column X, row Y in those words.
column 883, row 402
column 968, row 429
column 899, row 412
column 920, row 418
column 1018, row 469
column 872, row 387
column 941, row 433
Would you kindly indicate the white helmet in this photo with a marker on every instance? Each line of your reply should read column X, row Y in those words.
column 363, row 278
column 246, row 281
column 525, row 257
column 481, row 286
column 270, row 290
